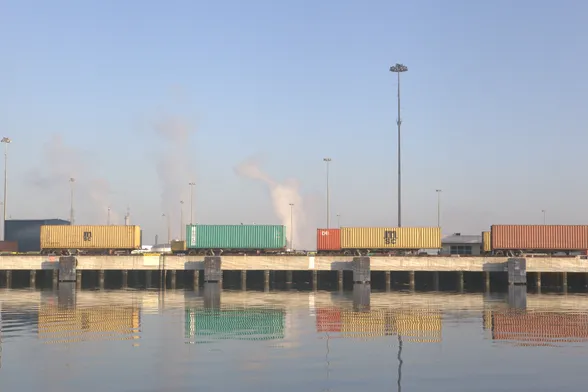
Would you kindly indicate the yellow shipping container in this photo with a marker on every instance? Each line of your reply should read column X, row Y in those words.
column 486, row 244
column 363, row 324
column 178, row 246
column 390, row 238
column 90, row 237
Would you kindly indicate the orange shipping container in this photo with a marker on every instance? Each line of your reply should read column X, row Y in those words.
column 539, row 237
column 328, row 239
column 539, row 327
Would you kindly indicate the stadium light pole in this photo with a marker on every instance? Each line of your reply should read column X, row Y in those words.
column 398, row 69
column 328, row 161
column 71, row 206
column 438, row 207
column 192, row 184
column 291, row 226
column 6, row 141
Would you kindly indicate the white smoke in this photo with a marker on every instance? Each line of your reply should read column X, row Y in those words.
column 174, row 169
column 282, row 194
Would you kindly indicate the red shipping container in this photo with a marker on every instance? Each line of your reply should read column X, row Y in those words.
column 328, row 320
column 540, row 237
column 328, row 239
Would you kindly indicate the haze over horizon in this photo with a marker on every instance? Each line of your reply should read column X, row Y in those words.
column 137, row 99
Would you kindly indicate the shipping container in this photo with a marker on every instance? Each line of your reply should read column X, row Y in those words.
column 363, row 324
column 417, row 325
column 410, row 238
column 246, row 237
column 27, row 232
column 486, row 243
column 178, row 246
column 328, row 239
column 90, row 237
column 539, row 237
column 238, row 324
column 540, row 327
column 328, row 320
column 9, row 246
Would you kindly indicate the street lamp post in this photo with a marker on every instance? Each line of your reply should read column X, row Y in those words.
column 438, row 207
column 181, row 220
column 71, row 207
column 292, row 226
column 192, row 184
column 328, row 160
column 543, row 211
column 339, row 220
column 6, row 142
column 398, row 69
column 108, row 217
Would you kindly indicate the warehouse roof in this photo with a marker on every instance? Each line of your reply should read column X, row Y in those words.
column 457, row 238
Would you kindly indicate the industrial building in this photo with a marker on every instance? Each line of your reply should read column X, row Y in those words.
column 457, row 244
column 27, row 232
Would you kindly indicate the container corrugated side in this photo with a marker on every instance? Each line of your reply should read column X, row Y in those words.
column 328, row 320
column 366, row 324
column 539, row 237
column 90, row 237
column 60, row 322
column 328, row 239
column 486, row 243
column 236, row 237
column 390, row 238
column 239, row 324
column 422, row 325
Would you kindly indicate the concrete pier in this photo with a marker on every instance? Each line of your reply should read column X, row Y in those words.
column 289, row 277
column 361, row 297
column 33, row 279
column 212, row 269
column 243, row 280
column 517, row 271
column 388, row 277
column 266, row 280
column 460, row 281
column 361, row 270
column 125, row 279
column 340, row 280
column 411, row 281
column 101, row 276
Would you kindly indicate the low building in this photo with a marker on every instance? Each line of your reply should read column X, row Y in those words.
column 27, row 232
column 457, row 244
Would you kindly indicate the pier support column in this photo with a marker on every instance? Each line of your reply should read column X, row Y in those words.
column 101, row 274
column 289, row 277
column 244, row 280
column 411, row 280
column 564, row 282
column 314, row 280
column 212, row 269
column 487, row 281
column 361, row 270
column 436, row 281
column 33, row 279
column 388, row 276
column 148, row 278
column 266, row 280
column 538, row 281
column 517, row 270
column 125, row 279
column 460, row 281
column 340, row 280
column 78, row 279
column 8, row 279
column 55, row 277
column 361, row 297
column 517, row 296
column 196, row 281
column 173, row 274
column 212, row 295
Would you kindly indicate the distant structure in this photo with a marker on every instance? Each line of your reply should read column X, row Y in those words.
column 128, row 217
column 457, row 244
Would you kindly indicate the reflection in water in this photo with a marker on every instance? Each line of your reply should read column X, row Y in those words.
column 275, row 340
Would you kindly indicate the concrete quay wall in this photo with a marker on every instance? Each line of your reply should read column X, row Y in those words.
column 296, row 263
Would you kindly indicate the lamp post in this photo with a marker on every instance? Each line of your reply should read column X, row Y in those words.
column 339, row 220
column 6, row 142
column 438, row 207
column 71, row 207
column 108, row 217
column 398, row 69
column 168, row 228
column 181, row 220
column 328, row 160
column 543, row 211
column 192, row 184
column 292, row 226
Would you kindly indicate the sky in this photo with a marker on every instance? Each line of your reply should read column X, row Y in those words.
column 137, row 99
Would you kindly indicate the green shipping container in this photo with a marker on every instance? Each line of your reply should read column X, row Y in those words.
column 256, row 237
column 236, row 324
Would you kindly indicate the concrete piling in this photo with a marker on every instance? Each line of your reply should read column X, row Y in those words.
column 212, row 269
column 361, row 269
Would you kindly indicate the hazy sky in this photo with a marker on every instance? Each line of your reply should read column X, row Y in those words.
column 137, row 98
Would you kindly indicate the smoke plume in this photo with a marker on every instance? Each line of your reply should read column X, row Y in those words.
column 60, row 162
column 282, row 194
column 174, row 169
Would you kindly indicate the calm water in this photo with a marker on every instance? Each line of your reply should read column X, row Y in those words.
column 210, row 340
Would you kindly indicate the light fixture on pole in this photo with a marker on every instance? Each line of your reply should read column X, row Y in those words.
column 192, row 184
column 328, row 161
column 6, row 142
column 543, row 211
column 398, row 69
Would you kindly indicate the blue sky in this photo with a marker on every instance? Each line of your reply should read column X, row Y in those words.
column 491, row 108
